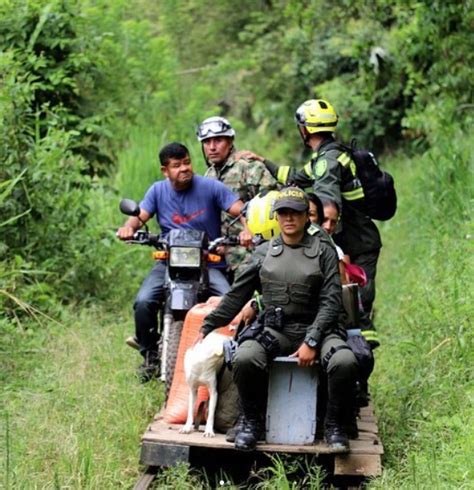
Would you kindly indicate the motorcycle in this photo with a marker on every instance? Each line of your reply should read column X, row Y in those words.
column 187, row 254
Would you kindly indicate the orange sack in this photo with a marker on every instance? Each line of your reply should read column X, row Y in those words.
column 177, row 405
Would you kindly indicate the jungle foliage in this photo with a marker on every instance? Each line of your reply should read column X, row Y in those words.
column 90, row 89
column 78, row 74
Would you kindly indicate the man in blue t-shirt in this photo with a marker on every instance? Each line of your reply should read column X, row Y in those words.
column 183, row 200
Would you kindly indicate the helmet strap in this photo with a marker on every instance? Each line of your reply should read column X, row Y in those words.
column 204, row 155
column 304, row 135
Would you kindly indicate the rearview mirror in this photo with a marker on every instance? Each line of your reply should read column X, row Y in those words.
column 129, row 207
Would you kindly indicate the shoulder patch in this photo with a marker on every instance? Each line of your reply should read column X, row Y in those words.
column 321, row 167
column 276, row 250
column 313, row 251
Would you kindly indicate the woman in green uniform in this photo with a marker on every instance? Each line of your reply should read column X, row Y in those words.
column 298, row 277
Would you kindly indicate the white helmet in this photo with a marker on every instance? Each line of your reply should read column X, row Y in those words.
column 214, row 126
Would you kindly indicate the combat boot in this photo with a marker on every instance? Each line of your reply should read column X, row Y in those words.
column 334, row 433
column 253, row 430
column 362, row 394
column 231, row 434
column 350, row 423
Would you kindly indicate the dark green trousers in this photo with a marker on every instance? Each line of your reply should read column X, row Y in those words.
column 251, row 364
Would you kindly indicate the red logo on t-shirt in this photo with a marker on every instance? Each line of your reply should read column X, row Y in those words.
column 181, row 220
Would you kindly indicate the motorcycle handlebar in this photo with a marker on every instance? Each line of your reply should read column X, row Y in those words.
column 146, row 238
column 231, row 240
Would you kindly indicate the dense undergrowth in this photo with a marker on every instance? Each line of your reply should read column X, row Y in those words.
column 89, row 91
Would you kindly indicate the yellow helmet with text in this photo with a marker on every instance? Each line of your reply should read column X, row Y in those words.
column 261, row 219
column 316, row 115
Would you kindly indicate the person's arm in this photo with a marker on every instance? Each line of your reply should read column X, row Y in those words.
column 330, row 296
column 254, row 176
column 284, row 174
column 245, row 235
column 327, row 183
column 343, row 273
column 133, row 224
column 232, row 302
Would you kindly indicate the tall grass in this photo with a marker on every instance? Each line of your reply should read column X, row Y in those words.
column 72, row 410
column 423, row 384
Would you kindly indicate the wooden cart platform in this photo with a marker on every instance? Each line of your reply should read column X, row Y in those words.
column 163, row 445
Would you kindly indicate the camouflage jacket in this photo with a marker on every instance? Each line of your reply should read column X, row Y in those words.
column 245, row 177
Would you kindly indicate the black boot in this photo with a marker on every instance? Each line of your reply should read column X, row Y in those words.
column 362, row 394
column 334, row 433
column 253, row 429
column 350, row 423
column 150, row 368
column 231, row 434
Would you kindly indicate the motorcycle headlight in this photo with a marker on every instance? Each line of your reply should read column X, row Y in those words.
column 185, row 257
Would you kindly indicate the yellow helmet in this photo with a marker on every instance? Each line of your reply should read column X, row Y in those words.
column 261, row 218
column 316, row 116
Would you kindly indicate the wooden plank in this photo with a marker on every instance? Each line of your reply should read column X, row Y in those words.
column 373, row 420
column 153, row 454
column 160, row 432
column 367, row 427
column 366, row 410
column 368, row 436
column 146, row 479
column 358, row 464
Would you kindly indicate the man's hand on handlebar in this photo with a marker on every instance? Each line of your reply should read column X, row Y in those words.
column 245, row 238
column 125, row 233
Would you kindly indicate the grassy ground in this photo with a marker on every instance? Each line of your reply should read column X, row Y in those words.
column 423, row 383
column 72, row 410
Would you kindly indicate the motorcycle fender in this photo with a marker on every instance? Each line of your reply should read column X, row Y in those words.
column 183, row 296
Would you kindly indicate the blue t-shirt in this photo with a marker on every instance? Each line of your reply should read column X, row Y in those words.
column 198, row 207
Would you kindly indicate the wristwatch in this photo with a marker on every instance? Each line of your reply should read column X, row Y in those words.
column 310, row 342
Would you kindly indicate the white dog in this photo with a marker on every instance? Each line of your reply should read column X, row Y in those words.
column 201, row 365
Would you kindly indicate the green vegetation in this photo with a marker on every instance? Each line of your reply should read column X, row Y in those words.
column 90, row 89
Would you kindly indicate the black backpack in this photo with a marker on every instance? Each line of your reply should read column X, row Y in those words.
column 379, row 188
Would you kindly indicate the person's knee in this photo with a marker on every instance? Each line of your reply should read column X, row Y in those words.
column 218, row 284
column 145, row 304
column 343, row 364
column 249, row 356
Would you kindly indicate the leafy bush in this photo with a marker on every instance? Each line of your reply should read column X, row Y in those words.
column 62, row 87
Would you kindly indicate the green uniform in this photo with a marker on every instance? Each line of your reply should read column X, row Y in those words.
column 332, row 174
column 304, row 281
column 245, row 177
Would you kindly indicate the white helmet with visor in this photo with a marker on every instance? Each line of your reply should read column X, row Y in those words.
column 213, row 127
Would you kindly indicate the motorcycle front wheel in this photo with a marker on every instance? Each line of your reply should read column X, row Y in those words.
column 172, row 353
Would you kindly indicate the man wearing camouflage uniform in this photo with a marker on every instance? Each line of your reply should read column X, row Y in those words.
column 245, row 177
